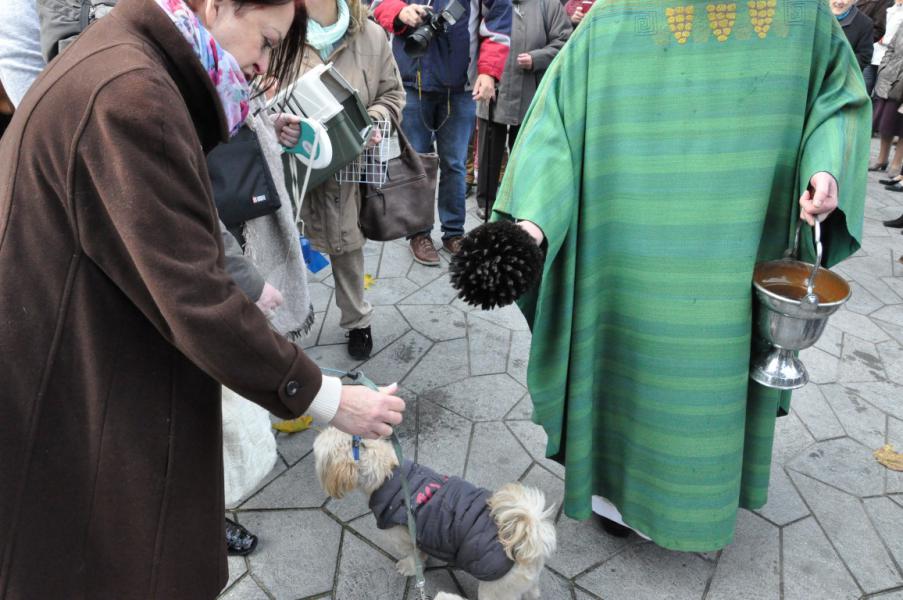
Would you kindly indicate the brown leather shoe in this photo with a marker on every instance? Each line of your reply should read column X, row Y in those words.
column 452, row 244
column 423, row 250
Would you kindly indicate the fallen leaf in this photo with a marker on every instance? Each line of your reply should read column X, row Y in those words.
column 369, row 280
column 294, row 425
column 890, row 459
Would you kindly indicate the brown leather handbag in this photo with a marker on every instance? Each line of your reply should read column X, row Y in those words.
column 406, row 203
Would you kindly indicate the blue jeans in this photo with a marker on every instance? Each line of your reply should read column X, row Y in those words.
column 421, row 115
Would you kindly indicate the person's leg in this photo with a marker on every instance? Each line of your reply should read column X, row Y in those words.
column 883, row 153
column 868, row 74
column 419, row 119
column 512, row 136
column 482, row 157
column 492, row 153
column 451, row 142
column 896, row 165
column 882, row 122
column 348, row 272
column 471, row 179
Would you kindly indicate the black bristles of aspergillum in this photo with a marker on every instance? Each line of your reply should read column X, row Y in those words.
column 497, row 263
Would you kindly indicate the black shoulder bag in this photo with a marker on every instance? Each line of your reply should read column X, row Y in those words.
column 243, row 187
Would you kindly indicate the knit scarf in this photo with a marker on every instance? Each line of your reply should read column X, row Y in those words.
column 272, row 241
column 324, row 39
column 224, row 70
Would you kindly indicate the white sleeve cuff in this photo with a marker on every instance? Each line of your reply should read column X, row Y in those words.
column 326, row 403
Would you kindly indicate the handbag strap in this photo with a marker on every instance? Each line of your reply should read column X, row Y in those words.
column 293, row 172
column 405, row 148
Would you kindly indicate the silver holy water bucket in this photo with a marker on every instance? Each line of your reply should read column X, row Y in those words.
column 794, row 301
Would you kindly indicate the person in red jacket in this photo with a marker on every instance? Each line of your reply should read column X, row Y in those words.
column 459, row 66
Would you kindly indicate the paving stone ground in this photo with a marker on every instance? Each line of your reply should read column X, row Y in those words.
column 832, row 529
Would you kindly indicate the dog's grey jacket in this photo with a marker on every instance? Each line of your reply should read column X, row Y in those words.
column 453, row 520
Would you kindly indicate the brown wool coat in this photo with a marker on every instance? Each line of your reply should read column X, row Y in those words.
column 116, row 322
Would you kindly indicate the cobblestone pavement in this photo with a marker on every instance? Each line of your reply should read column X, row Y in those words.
column 833, row 527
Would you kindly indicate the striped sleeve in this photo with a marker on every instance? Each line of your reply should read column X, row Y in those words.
column 494, row 35
column 386, row 11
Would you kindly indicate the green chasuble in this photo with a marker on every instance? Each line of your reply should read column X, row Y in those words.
column 663, row 156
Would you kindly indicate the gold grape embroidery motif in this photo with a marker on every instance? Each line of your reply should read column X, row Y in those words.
column 761, row 14
column 680, row 21
column 722, row 17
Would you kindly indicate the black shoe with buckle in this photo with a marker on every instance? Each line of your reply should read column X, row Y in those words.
column 360, row 343
column 239, row 540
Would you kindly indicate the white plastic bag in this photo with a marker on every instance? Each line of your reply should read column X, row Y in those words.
column 249, row 446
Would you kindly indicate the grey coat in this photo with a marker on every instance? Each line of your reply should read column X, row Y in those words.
column 891, row 68
column 453, row 519
column 540, row 28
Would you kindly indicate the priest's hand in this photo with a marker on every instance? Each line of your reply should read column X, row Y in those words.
column 534, row 231
column 367, row 413
column 820, row 199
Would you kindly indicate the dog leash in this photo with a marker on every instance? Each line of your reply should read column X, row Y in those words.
column 359, row 378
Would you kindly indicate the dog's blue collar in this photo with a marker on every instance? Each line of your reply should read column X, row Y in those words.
column 356, row 447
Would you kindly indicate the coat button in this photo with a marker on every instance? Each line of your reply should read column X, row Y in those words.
column 291, row 388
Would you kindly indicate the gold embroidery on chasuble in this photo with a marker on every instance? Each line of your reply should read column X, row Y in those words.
column 761, row 15
column 680, row 21
column 722, row 17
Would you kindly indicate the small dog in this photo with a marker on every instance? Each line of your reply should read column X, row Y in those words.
column 503, row 539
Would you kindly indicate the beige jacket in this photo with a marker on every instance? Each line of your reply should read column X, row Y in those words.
column 364, row 58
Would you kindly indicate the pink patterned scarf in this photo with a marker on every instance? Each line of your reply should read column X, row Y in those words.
column 224, row 70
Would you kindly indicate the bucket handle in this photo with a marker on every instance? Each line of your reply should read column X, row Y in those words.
column 794, row 252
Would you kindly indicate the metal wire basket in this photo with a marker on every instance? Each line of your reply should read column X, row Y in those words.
column 371, row 165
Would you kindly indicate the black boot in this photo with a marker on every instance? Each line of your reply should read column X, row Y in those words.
column 239, row 540
column 360, row 343
column 898, row 222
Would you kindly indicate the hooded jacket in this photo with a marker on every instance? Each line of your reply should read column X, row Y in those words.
column 453, row 519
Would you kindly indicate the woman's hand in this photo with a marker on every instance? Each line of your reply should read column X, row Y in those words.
column 820, row 199
column 270, row 299
column 484, row 88
column 376, row 137
column 288, row 129
column 577, row 16
column 525, row 61
column 367, row 413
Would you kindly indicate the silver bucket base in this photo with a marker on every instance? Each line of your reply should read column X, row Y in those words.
column 779, row 369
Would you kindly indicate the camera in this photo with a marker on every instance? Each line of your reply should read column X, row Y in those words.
column 418, row 41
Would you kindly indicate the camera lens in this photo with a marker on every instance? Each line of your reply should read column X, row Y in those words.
column 417, row 42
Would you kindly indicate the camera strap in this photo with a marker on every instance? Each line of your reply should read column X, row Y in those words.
column 420, row 98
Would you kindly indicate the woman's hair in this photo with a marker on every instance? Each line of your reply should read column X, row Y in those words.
column 358, row 13
column 285, row 62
